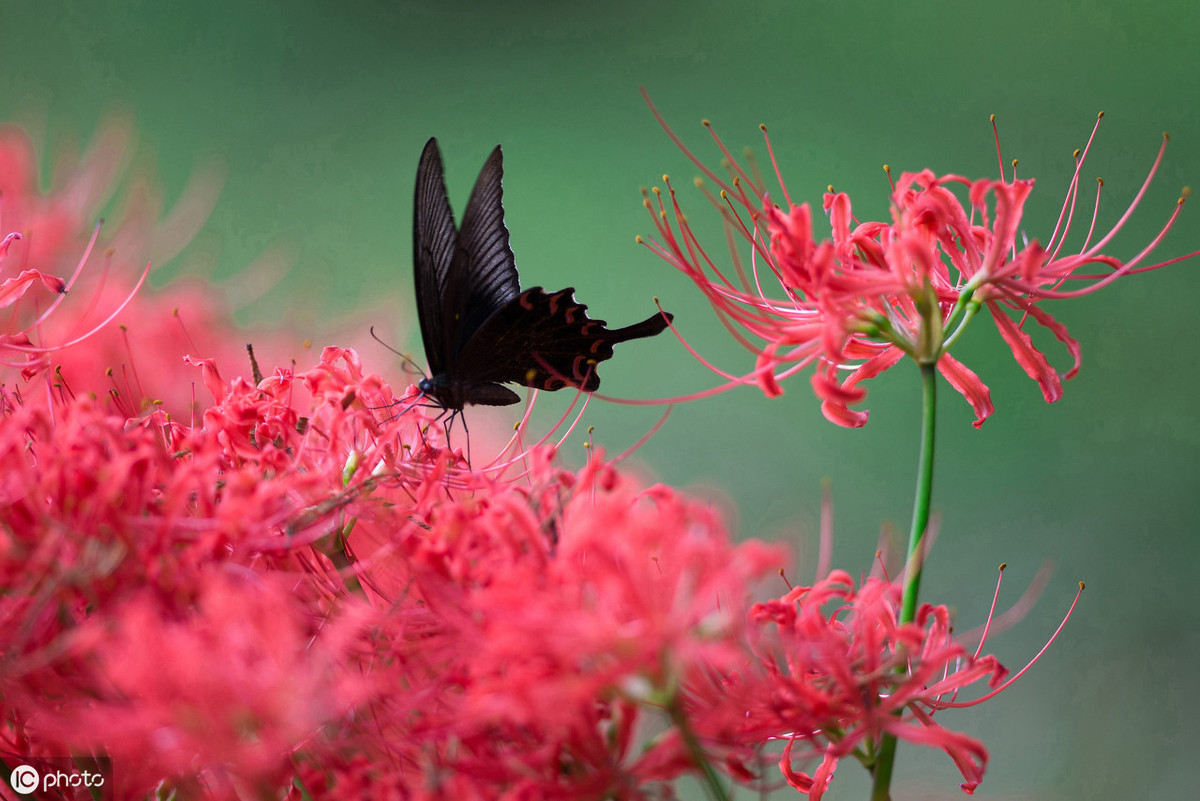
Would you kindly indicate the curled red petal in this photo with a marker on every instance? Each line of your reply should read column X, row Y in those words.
column 8, row 240
column 969, row 385
column 822, row 777
column 212, row 379
column 838, row 414
column 1032, row 361
column 1060, row 333
column 837, row 396
column 829, row 388
column 969, row 754
column 797, row 780
column 12, row 289
column 764, row 371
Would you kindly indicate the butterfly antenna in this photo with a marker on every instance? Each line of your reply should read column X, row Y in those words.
column 410, row 366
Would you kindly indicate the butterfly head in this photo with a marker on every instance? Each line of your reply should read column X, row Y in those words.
column 454, row 394
column 440, row 390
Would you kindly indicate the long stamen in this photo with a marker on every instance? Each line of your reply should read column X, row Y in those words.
column 87, row 253
column 1133, row 204
column 1021, row 672
column 1069, row 200
column 775, row 165
column 106, row 321
column 1127, row 268
column 991, row 611
column 737, row 171
column 679, row 143
column 644, row 438
column 996, row 136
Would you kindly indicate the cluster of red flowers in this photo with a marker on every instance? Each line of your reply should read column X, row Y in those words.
column 266, row 595
column 298, row 585
column 874, row 292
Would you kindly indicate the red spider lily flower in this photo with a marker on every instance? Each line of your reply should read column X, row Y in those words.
column 228, row 678
column 883, row 667
column 137, row 358
column 549, row 616
column 835, row 670
column 444, row 634
column 51, row 236
column 854, row 304
column 105, row 519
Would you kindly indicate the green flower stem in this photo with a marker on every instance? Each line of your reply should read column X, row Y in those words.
column 966, row 299
column 716, row 789
column 912, row 583
column 971, row 307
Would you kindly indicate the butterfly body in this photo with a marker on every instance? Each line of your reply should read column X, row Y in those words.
column 480, row 329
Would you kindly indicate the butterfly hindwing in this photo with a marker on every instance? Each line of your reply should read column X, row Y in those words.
column 435, row 241
column 546, row 341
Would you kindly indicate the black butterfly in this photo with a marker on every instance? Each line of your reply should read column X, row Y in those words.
column 480, row 329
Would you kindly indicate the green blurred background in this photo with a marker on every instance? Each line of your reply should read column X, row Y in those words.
column 319, row 112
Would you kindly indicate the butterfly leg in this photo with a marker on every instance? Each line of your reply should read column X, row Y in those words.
column 449, row 424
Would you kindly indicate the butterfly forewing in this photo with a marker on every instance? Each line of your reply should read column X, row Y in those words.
column 483, row 274
column 434, row 242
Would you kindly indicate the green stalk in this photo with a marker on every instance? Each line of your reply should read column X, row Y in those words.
column 712, row 781
column 912, row 583
column 969, row 312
